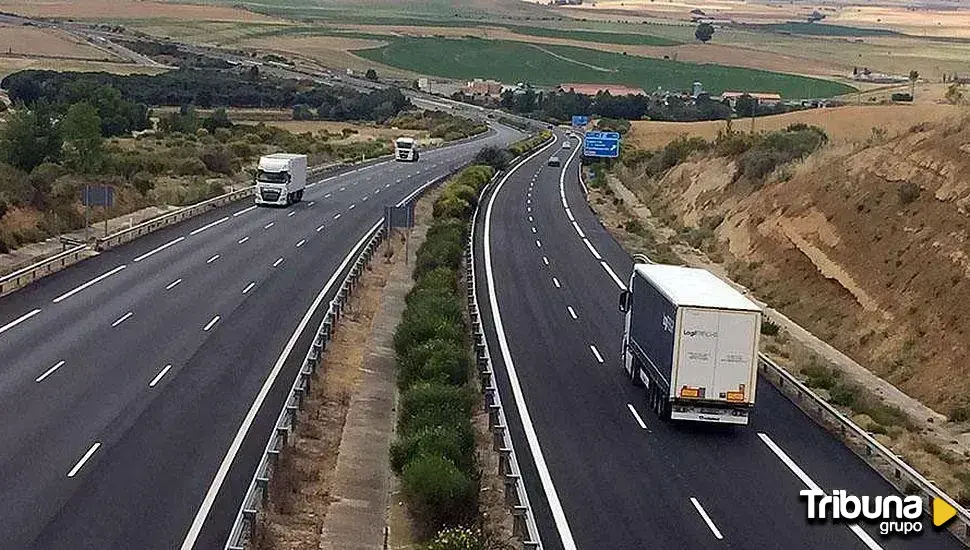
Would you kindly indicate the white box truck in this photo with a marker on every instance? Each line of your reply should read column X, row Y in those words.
column 280, row 179
column 692, row 340
column 405, row 149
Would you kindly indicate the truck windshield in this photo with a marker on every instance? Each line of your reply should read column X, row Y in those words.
column 403, row 145
column 273, row 177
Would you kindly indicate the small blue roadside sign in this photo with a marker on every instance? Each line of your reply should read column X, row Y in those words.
column 97, row 195
column 601, row 144
column 580, row 120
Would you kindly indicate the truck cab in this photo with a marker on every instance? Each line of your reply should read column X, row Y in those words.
column 405, row 149
column 280, row 179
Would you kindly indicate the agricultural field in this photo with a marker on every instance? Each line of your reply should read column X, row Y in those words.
column 551, row 65
column 842, row 124
column 119, row 10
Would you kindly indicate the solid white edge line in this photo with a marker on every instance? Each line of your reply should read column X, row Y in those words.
column 159, row 249
column 80, row 463
column 159, row 376
column 18, row 320
column 596, row 352
column 193, row 533
column 552, row 497
column 173, row 284
column 706, row 518
column 592, row 250
column 249, row 287
column 578, row 230
column 810, row 483
column 207, row 226
column 613, row 275
column 122, row 319
column 211, row 324
column 50, row 371
column 88, row 284
column 636, row 416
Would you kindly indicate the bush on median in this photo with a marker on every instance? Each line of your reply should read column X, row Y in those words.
column 440, row 493
column 437, row 360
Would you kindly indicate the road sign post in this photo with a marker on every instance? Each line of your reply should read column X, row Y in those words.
column 601, row 144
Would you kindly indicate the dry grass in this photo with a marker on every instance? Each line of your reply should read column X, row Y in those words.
column 127, row 9
column 330, row 51
column 843, row 124
column 13, row 64
column 47, row 42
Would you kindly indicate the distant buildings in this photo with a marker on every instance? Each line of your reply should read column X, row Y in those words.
column 593, row 89
column 768, row 99
column 483, row 88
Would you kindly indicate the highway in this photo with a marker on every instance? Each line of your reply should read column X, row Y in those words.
column 126, row 378
column 601, row 469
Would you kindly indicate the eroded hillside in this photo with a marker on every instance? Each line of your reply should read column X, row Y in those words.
column 865, row 245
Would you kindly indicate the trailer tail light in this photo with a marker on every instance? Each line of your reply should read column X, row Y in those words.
column 690, row 392
column 737, row 396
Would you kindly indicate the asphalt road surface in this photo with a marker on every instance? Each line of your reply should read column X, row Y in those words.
column 125, row 378
column 602, row 471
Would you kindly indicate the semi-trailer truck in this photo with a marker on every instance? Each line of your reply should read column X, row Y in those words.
column 692, row 340
column 405, row 149
column 280, row 179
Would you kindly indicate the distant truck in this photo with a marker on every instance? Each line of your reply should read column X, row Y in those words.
column 405, row 149
column 692, row 340
column 280, row 179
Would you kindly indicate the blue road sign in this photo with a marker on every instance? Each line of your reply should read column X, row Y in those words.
column 580, row 120
column 601, row 144
column 97, row 195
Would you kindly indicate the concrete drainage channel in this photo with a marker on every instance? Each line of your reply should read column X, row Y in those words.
column 258, row 491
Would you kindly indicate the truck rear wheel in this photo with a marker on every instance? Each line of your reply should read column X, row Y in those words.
column 299, row 195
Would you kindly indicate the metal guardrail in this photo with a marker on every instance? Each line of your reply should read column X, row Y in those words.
column 23, row 277
column 516, row 498
column 258, row 491
column 882, row 459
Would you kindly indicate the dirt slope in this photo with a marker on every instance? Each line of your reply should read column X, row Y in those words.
column 865, row 245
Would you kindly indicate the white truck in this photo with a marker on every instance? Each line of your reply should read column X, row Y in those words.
column 692, row 340
column 280, row 179
column 405, row 149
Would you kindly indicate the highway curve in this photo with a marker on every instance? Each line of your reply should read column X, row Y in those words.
column 601, row 469
column 126, row 377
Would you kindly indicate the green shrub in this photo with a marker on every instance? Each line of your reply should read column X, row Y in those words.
column 218, row 158
column 443, row 247
column 437, row 360
column 451, row 207
column 419, row 326
column 190, row 167
column 441, row 279
column 453, row 443
column 439, row 493
column 498, row 159
column 430, row 404
column 769, row 327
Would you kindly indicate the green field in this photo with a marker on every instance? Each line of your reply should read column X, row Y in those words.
column 820, row 29
column 593, row 36
column 551, row 65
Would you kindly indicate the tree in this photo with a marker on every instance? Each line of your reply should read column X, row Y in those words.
column 913, row 77
column 30, row 137
column 81, row 129
column 371, row 75
column 704, row 32
column 746, row 106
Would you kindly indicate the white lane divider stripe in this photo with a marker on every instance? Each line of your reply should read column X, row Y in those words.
column 301, row 243
column 328, row 195
column 210, row 324
column 596, row 352
column 88, row 284
column 150, row 253
column 555, row 281
column 249, row 287
column 242, row 240
column 810, row 483
column 50, row 371
column 244, row 210
column 212, row 259
column 122, row 319
column 18, row 320
column 278, row 262
column 173, row 284
column 319, row 229
column 311, row 203
column 352, row 206
column 337, row 217
column 270, row 224
column 636, row 416
column 291, row 214
column 707, row 518
column 545, row 260
column 80, row 463
column 538, row 243
column 572, row 312
column 158, row 377
column 208, row 226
